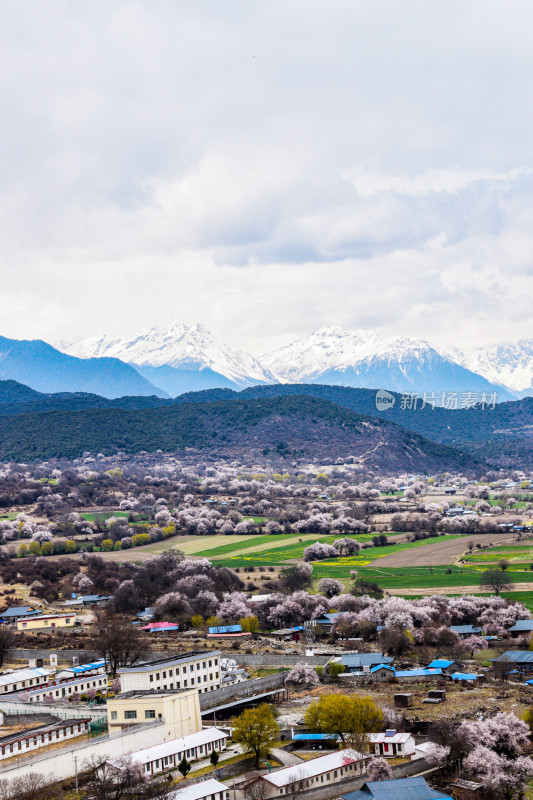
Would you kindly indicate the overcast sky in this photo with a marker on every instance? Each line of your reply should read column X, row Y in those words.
column 267, row 168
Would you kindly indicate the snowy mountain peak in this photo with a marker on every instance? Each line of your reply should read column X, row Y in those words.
column 506, row 363
column 334, row 348
column 181, row 346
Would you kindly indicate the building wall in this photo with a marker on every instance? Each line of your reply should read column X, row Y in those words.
column 38, row 623
column 326, row 779
column 39, row 740
column 192, row 754
column 180, row 712
column 98, row 682
column 199, row 673
column 60, row 764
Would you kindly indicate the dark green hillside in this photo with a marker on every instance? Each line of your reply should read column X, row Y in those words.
column 289, row 426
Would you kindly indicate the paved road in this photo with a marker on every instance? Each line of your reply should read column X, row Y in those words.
column 284, row 757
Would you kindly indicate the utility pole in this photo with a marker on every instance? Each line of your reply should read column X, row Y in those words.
column 76, row 768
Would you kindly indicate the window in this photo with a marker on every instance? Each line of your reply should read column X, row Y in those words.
column 130, row 715
column 210, row 663
column 198, row 666
column 191, row 667
column 192, row 681
column 157, row 675
column 113, row 715
column 170, row 673
column 164, row 674
column 151, row 679
column 149, row 713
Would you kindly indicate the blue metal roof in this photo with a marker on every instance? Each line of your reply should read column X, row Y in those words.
column 440, row 663
column 226, row 629
column 87, row 667
column 523, row 625
column 19, row 611
column 462, row 629
column 382, row 666
column 415, row 788
column 312, row 737
column 516, row 656
column 463, row 676
column 417, row 673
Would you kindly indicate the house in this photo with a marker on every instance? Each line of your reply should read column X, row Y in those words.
column 24, row 742
column 154, row 627
column 382, row 672
column 180, row 711
column 447, row 667
column 209, row 789
column 168, row 755
column 467, row 790
column 463, row 676
column 13, row 614
column 314, row 741
column 46, row 622
column 521, row 660
column 359, row 663
column 415, row 788
column 418, row 674
column 88, row 600
column 83, row 670
column 464, row 631
column 324, row 621
column 317, row 772
column 23, row 679
column 196, row 669
column 392, row 744
column 521, row 627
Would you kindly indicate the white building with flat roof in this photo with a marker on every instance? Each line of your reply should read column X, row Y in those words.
column 194, row 670
column 23, row 679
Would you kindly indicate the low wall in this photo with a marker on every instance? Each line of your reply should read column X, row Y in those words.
column 63, row 656
column 277, row 659
column 70, row 711
column 61, row 764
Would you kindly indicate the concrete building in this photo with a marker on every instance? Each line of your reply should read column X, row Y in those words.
column 391, row 744
column 24, row 742
column 169, row 754
column 46, row 622
column 359, row 663
column 13, row 614
column 61, row 689
column 82, row 671
column 206, row 790
column 194, row 670
column 180, row 711
column 315, row 773
column 22, row 679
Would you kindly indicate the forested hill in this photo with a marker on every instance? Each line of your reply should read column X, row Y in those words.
column 290, row 426
column 502, row 435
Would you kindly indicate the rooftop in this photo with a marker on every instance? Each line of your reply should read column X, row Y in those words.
column 309, row 769
column 26, row 674
column 179, row 745
column 414, row 788
column 198, row 790
column 65, row 723
column 152, row 693
column 148, row 666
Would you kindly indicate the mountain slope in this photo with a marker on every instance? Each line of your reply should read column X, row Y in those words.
column 189, row 350
column 291, row 426
column 363, row 359
column 508, row 363
column 40, row 366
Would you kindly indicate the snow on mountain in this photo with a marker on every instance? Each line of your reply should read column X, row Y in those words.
column 365, row 359
column 506, row 363
column 189, row 348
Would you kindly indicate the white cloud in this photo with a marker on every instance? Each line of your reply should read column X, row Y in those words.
column 266, row 169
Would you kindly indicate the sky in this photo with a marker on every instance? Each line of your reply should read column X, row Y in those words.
column 267, row 169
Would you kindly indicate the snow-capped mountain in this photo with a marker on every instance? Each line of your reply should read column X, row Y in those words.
column 183, row 357
column 365, row 359
column 507, row 363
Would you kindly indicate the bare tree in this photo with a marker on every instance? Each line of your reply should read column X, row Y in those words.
column 118, row 641
column 6, row 642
